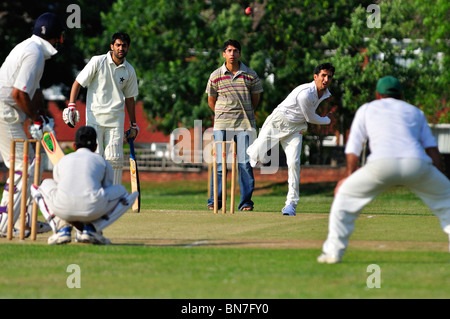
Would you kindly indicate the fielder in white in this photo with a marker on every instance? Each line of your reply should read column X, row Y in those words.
column 403, row 151
column 82, row 194
column 112, row 86
column 286, row 124
column 21, row 98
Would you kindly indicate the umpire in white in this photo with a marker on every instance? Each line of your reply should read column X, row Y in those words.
column 403, row 151
column 82, row 194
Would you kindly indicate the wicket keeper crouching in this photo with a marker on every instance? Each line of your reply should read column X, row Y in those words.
column 82, row 194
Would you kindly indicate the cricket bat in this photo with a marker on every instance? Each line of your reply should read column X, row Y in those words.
column 52, row 147
column 134, row 174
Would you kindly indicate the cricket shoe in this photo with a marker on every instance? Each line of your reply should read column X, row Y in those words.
column 62, row 236
column 328, row 259
column 16, row 232
column 78, row 235
column 90, row 236
column 288, row 210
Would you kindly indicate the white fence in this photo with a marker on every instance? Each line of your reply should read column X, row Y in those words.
column 442, row 134
column 149, row 160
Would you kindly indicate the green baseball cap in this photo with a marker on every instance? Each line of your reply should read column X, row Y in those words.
column 389, row 85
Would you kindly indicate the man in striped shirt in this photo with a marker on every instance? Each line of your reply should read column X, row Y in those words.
column 233, row 94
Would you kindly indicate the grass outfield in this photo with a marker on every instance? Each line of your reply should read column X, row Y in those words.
column 176, row 249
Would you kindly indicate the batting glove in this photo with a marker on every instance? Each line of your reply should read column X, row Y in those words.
column 35, row 129
column 43, row 124
column 70, row 115
column 48, row 124
column 132, row 132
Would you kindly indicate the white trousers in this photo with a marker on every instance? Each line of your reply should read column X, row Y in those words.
column 110, row 146
column 422, row 178
column 277, row 129
column 12, row 127
column 90, row 207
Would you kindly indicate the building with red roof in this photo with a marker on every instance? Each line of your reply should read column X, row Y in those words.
column 66, row 135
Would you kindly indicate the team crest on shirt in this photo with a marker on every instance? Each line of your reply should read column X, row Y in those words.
column 122, row 79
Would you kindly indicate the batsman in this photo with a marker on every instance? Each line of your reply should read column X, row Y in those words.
column 111, row 87
column 20, row 99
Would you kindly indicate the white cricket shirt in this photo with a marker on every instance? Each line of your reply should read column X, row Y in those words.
column 108, row 86
column 23, row 67
column 301, row 104
column 394, row 128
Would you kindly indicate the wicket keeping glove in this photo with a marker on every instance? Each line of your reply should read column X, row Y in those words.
column 70, row 115
column 132, row 132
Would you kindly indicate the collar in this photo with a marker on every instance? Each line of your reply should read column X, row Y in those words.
column 242, row 68
column 84, row 150
column 46, row 48
column 110, row 60
column 325, row 95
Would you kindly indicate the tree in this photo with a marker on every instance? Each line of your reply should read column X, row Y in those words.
column 433, row 25
column 176, row 45
column 169, row 50
column 367, row 53
column 16, row 24
column 289, row 35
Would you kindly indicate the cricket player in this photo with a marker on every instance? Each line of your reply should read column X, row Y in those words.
column 403, row 151
column 112, row 86
column 21, row 98
column 82, row 194
column 286, row 124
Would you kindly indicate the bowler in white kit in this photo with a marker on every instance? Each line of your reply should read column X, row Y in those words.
column 286, row 125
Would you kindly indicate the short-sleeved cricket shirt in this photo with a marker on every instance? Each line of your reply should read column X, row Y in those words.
column 108, row 86
column 233, row 109
column 394, row 128
column 23, row 67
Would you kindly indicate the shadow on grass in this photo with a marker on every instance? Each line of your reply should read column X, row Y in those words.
column 307, row 189
column 273, row 189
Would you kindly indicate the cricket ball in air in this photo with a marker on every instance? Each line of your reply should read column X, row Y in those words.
column 248, row 11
